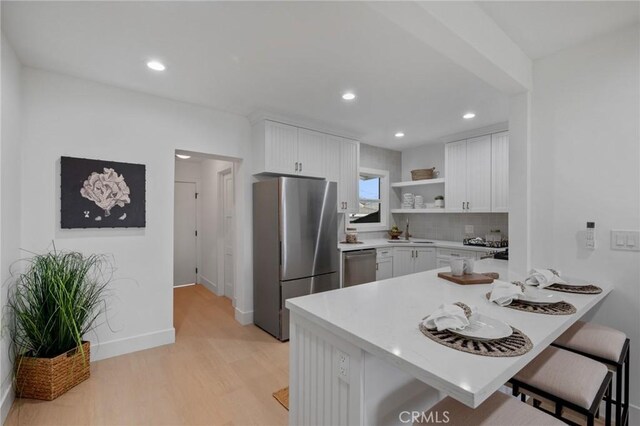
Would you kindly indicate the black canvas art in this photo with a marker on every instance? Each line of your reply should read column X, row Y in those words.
column 102, row 194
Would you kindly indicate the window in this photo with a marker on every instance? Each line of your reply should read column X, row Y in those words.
column 373, row 205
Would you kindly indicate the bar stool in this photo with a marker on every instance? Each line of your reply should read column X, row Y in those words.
column 568, row 380
column 606, row 345
column 498, row 410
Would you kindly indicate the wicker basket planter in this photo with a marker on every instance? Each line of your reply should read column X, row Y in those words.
column 48, row 378
column 422, row 174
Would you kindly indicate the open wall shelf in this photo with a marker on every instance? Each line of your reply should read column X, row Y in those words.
column 417, row 183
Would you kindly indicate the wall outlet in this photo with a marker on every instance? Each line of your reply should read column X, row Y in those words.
column 342, row 365
column 468, row 229
column 625, row 240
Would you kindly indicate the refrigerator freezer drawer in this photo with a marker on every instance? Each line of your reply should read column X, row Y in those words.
column 303, row 287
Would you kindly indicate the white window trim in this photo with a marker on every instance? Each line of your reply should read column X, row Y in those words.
column 384, row 202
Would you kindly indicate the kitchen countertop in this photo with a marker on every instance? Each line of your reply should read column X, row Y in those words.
column 380, row 243
column 382, row 319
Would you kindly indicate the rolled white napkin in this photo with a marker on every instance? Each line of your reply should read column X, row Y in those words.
column 544, row 277
column 503, row 293
column 447, row 316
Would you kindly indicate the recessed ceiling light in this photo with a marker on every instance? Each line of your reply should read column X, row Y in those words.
column 468, row 116
column 183, row 157
column 399, row 135
column 348, row 96
column 156, row 66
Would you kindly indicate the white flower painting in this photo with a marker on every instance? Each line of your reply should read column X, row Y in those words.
column 107, row 190
column 102, row 194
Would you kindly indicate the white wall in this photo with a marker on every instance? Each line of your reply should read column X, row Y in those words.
column 68, row 116
column 585, row 152
column 10, row 203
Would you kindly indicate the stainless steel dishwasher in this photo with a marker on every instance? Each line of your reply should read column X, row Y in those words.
column 359, row 267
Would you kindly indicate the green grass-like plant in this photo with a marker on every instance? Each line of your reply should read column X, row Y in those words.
column 56, row 302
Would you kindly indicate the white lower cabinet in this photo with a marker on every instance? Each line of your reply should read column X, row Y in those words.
column 441, row 263
column 409, row 260
column 384, row 268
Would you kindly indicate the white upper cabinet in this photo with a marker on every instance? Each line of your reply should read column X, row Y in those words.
column 479, row 174
column 342, row 166
column 455, row 187
column 476, row 174
column 500, row 172
column 280, row 147
column 311, row 151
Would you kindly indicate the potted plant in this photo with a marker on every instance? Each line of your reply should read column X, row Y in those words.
column 439, row 199
column 51, row 307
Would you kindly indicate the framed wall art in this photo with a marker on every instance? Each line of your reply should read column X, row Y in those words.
column 101, row 194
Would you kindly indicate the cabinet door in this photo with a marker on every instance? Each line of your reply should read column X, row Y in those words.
column 402, row 261
column 349, row 175
column 455, row 187
column 479, row 174
column 281, row 148
column 311, row 152
column 425, row 259
column 384, row 269
column 500, row 172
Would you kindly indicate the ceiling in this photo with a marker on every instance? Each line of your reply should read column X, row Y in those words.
column 282, row 57
column 288, row 58
column 542, row 28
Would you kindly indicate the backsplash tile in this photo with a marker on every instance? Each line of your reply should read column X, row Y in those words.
column 451, row 226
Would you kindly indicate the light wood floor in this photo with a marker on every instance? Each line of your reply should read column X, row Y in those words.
column 217, row 373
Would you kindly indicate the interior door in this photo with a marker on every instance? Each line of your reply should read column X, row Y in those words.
column 455, row 157
column 479, row 174
column 311, row 152
column 184, row 234
column 227, row 220
column 402, row 261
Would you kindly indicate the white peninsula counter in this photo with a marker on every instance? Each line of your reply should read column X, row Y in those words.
column 357, row 356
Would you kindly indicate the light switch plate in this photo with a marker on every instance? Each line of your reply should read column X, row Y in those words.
column 625, row 240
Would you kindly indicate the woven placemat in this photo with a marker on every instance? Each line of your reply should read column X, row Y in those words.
column 560, row 308
column 515, row 345
column 585, row 289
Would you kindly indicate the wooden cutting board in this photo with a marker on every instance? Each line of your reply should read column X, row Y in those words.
column 468, row 279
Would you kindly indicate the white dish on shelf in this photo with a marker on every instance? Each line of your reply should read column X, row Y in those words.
column 482, row 327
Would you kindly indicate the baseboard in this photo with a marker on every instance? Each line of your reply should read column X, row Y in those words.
column 244, row 318
column 7, row 402
column 634, row 415
column 210, row 285
column 132, row 344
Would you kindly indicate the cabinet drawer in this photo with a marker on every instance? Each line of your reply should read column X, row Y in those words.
column 386, row 253
column 444, row 252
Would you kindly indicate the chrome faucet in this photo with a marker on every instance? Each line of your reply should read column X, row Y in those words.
column 406, row 232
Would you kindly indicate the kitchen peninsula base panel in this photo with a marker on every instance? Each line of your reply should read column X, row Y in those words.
column 334, row 382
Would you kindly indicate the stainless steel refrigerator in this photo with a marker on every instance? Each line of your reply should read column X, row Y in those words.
column 295, row 251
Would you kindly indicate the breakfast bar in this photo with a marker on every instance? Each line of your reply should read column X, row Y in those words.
column 358, row 357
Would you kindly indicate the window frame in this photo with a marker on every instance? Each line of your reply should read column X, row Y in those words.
column 383, row 225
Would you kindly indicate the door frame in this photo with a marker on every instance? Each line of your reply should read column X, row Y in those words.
column 221, row 239
column 195, row 184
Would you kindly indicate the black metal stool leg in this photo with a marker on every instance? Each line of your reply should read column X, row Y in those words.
column 607, row 413
column 626, row 387
column 618, row 395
